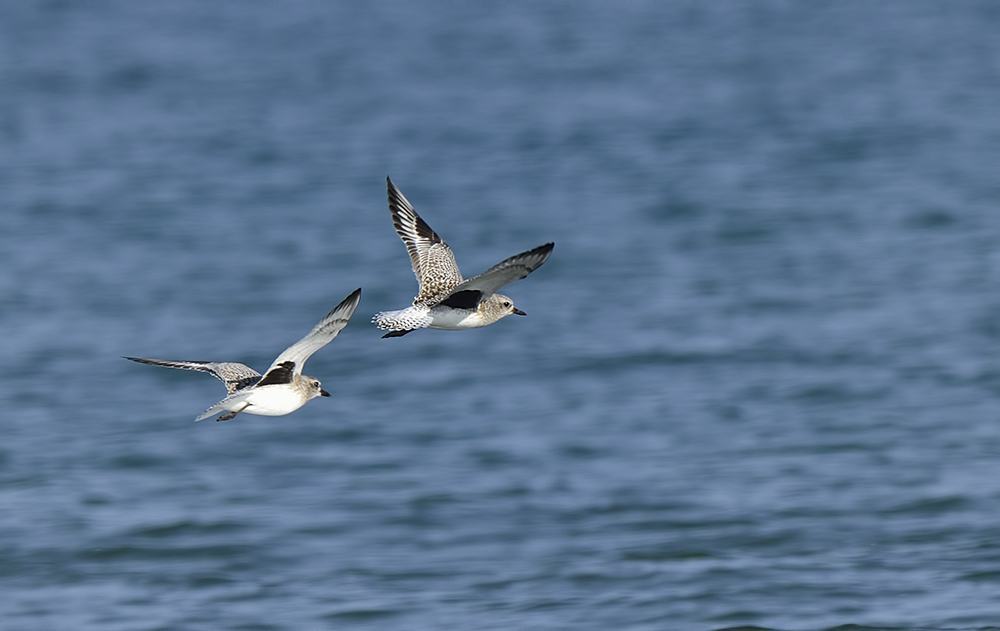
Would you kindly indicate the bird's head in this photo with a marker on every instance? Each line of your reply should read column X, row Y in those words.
column 313, row 387
column 500, row 306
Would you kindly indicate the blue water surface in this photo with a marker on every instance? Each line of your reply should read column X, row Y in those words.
column 759, row 380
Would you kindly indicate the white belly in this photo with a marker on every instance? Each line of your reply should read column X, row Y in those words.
column 453, row 319
column 276, row 400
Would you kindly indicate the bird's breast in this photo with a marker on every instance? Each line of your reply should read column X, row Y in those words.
column 276, row 400
column 452, row 319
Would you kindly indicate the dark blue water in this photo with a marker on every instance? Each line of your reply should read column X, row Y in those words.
column 758, row 383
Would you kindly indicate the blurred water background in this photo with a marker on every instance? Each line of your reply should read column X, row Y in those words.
column 758, row 383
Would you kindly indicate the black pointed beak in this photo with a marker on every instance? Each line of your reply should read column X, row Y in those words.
column 518, row 312
column 323, row 393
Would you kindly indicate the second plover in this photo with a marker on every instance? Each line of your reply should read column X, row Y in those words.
column 283, row 388
column 446, row 300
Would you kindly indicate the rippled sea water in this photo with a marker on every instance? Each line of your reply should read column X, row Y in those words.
column 759, row 380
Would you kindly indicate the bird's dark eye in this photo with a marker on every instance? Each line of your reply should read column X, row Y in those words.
column 506, row 303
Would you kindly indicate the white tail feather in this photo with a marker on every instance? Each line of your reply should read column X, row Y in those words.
column 403, row 319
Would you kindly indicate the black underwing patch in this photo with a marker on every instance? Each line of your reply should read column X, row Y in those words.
column 282, row 373
column 465, row 299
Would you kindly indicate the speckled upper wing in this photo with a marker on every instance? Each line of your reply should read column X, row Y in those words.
column 432, row 260
column 236, row 376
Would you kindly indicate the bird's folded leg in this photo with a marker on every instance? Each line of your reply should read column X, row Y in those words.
column 231, row 415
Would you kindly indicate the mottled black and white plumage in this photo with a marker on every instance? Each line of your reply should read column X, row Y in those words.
column 282, row 388
column 444, row 299
column 235, row 375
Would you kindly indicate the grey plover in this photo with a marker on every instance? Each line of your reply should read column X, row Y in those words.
column 445, row 300
column 283, row 388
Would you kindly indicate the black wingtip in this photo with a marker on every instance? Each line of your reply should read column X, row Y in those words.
column 545, row 251
column 351, row 303
column 394, row 194
column 401, row 208
column 354, row 296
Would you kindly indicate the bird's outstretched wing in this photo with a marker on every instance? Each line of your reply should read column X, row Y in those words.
column 292, row 359
column 236, row 376
column 432, row 260
column 467, row 294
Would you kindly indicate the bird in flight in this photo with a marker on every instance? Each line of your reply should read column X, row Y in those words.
column 283, row 388
column 445, row 300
